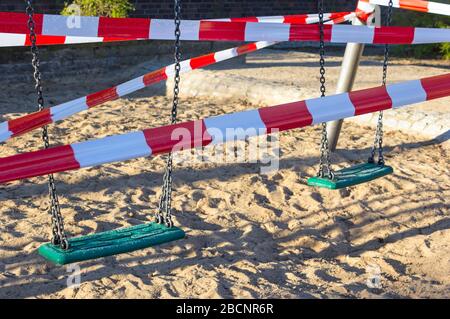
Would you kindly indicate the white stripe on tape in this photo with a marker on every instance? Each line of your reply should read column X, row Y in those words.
column 311, row 20
column 12, row 39
column 330, row 108
column 111, row 149
column 161, row 29
column 235, row 126
column 73, row 40
column 164, row 29
column 225, row 54
column 5, row 133
column 366, row 7
column 62, row 111
column 406, row 93
column 70, row 26
column 361, row 34
column 185, row 66
column 264, row 44
column 396, row 3
column 258, row 32
column 130, row 86
column 221, row 20
column 274, row 19
column 439, row 8
column 422, row 35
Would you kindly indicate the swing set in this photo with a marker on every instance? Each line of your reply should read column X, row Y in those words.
column 321, row 27
column 360, row 173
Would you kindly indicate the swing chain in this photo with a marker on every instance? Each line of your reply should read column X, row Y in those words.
column 59, row 236
column 378, row 141
column 165, row 204
column 324, row 163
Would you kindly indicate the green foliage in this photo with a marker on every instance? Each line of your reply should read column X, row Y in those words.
column 445, row 50
column 419, row 19
column 104, row 8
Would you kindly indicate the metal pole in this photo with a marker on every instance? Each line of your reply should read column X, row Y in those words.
column 350, row 63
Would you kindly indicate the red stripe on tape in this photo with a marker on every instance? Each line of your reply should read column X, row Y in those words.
column 42, row 162
column 202, row 61
column 336, row 15
column 246, row 48
column 218, row 30
column 362, row 15
column 177, row 137
column 299, row 19
column 124, row 27
column 155, row 76
column 370, row 100
column 394, row 35
column 14, row 22
column 29, row 122
column 436, row 86
column 415, row 5
column 245, row 19
column 309, row 32
column 47, row 40
column 116, row 39
column 286, row 116
column 98, row 98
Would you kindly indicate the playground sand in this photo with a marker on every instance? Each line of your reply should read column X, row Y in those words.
column 248, row 234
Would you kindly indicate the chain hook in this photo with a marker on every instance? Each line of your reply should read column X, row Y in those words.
column 164, row 214
column 59, row 236
column 378, row 140
column 324, row 162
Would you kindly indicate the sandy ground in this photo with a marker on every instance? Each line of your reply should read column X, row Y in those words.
column 248, row 234
column 300, row 69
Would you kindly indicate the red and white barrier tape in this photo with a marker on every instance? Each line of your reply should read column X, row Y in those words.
column 29, row 122
column 59, row 112
column 219, row 129
column 414, row 5
column 158, row 29
column 17, row 39
column 295, row 19
column 20, row 40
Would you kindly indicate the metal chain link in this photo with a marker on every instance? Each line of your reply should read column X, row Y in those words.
column 378, row 140
column 324, row 162
column 165, row 204
column 58, row 232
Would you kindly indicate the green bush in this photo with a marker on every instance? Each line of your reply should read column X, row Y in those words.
column 104, row 8
column 445, row 50
column 419, row 19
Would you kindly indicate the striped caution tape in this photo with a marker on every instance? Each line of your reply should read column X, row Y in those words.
column 160, row 29
column 296, row 18
column 29, row 122
column 219, row 129
column 414, row 5
column 17, row 39
column 59, row 112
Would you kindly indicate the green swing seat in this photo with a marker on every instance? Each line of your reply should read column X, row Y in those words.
column 353, row 175
column 110, row 243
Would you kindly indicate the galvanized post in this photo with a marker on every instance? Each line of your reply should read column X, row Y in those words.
column 350, row 63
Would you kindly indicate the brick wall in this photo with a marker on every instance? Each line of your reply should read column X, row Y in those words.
column 41, row 6
column 198, row 9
